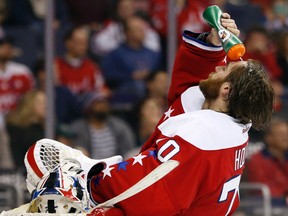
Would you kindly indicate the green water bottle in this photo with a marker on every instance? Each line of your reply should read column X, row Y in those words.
column 232, row 45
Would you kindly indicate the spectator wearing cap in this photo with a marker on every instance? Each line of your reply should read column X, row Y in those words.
column 100, row 134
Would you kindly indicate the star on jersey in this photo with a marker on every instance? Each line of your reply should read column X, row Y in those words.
column 107, row 171
column 152, row 153
column 122, row 165
column 168, row 113
column 138, row 159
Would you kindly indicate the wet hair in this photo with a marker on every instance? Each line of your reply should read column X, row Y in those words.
column 251, row 97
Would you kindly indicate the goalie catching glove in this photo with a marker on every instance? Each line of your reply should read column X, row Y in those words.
column 46, row 155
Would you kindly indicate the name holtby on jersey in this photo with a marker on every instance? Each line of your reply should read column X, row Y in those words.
column 239, row 158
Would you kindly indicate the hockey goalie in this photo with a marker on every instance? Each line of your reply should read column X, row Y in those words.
column 203, row 135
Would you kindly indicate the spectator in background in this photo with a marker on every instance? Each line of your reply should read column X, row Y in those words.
column 147, row 114
column 3, row 15
column 65, row 135
column 91, row 13
column 259, row 46
column 281, row 100
column 113, row 34
column 188, row 15
column 75, row 70
column 277, row 20
column 142, row 8
column 282, row 57
column 245, row 14
column 30, row 15
column 67, row 105
column 6, row 161
column 126, row 68
column 15, row 78
column 265, row 5
column 157, row 87
column 274, row 158
column 25, row 124
column 101, row 134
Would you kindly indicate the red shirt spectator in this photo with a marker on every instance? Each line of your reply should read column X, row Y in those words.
column 274, row 158
column 259, row 168
column 15, row 78
column 75, row 70
column 85, row 77
column 14, row 82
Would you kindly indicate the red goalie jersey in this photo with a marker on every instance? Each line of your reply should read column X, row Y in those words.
column 209, row 145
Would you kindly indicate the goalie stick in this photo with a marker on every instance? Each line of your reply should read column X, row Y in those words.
column 154, row 176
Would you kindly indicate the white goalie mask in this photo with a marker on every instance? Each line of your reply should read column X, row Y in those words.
column 60, row 192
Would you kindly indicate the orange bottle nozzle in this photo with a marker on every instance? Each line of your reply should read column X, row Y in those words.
column 236, row 51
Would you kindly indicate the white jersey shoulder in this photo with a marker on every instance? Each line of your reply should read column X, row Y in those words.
column 206, row 129
column 17, row 68
column 192, row 99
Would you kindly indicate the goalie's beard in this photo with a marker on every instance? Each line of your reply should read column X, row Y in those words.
column 211, row 87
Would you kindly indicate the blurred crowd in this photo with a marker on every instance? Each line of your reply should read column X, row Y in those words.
column 111, row 80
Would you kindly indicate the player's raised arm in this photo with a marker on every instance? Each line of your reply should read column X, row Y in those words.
column 197, row 56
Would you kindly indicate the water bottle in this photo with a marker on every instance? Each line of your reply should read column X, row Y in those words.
column 232, row 45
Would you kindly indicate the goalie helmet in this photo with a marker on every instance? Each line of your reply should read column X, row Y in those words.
column 60, row 192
